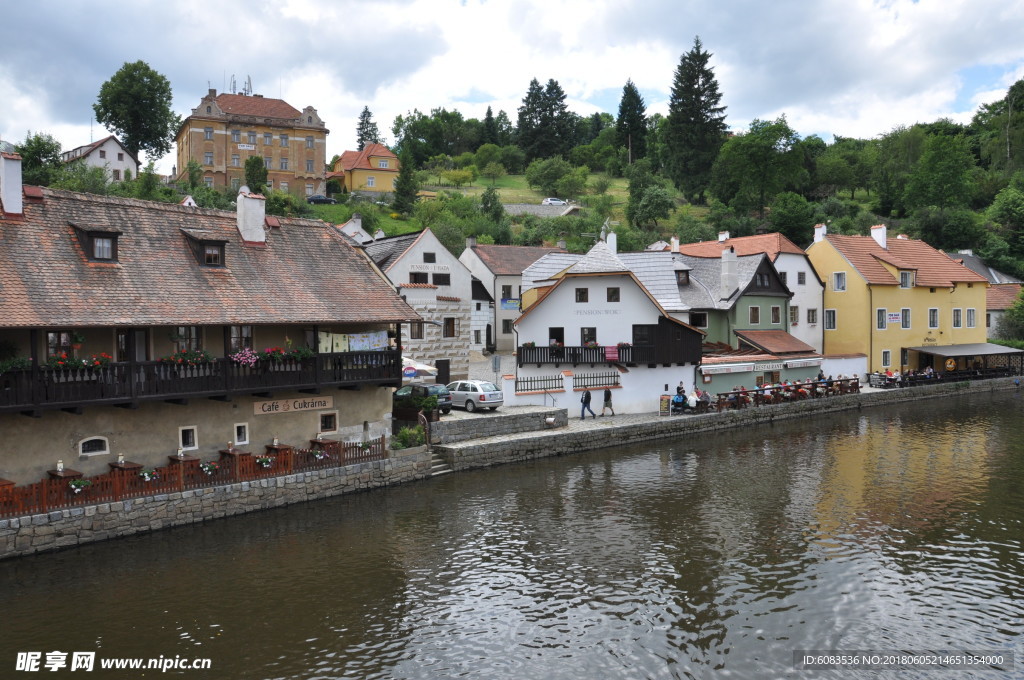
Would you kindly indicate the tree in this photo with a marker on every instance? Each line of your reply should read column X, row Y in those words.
column 457, row 177
column 135, row 104
column 406, row 187
column 366, row 130
column 631, row 125
column 546, row 128
column 793, row 217
column 942, row 176
column 897, row 154
column 546, row 174
column 506, row 132
column 490, row 205
column 40, row 159
column 644, row 206
column 255, row 174
column 493, row 171
column 696, row 126
column 194, row 172
column 1008, row 212
column 753, row 167
column 490, row 129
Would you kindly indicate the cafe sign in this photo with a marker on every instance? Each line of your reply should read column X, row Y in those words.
column 265, row 408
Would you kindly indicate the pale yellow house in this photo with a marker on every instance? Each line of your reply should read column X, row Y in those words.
column 373, row 170
column 899, row 301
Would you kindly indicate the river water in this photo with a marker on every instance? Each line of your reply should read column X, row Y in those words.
column 886, row 530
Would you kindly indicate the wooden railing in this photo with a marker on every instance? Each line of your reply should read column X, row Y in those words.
column 56, row 494
column 122, row 382
column 780, row 395
column 635, row 354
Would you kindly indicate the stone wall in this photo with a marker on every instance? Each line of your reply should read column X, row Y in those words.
column 75, row 526
column 449, row 431
column 475, row 454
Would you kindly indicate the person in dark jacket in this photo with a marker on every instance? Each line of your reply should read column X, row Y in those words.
column 585, row 400
column 607, row 401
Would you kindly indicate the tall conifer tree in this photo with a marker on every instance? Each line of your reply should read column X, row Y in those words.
column 366, row 130
column 696, row 123
column 631, row 126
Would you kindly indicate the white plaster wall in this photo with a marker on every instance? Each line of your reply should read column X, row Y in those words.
column 445, row 263
column 806, row 296
column 479, row 318
column 847, row 366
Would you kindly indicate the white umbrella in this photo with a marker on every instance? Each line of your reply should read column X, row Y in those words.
column 422, row 370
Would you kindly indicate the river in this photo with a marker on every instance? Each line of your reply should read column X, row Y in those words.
column 889, row 530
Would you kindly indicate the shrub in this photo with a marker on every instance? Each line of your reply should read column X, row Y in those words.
column 408, row 437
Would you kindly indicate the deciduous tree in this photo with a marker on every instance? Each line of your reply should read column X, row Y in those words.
column 40, row 159
column 135, row 104
column 255, row 174
column 753, row 167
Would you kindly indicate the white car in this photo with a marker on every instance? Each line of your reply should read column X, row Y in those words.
column 474, row 394
column 553, row 201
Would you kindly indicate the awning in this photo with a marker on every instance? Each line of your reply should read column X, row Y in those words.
column 726, row 368
column 802, row 363
column 975, row 349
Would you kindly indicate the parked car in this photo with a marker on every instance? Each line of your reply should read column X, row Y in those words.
column 320, row 198
column 420, row 390
column 553, row 201
column 474, row 394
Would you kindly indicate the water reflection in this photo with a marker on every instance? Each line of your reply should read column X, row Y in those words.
column 711, row 557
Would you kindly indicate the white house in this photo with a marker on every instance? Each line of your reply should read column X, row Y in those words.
column 805, row 321
column 595, row 325
column 439, row 288
column 108, row 154
column 500, row 269
column 481, row 318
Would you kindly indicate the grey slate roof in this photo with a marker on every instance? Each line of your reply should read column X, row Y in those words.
column 546, row 267
column 385, row 251
column 598, row 260
column 977, row 265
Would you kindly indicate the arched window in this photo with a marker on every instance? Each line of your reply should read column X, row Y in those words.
column 94, row 446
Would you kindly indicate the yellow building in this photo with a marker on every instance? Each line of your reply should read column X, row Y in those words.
column 226, row 129
column 894, row 299
column 373, row 170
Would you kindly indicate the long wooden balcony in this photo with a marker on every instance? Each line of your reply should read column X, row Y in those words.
column 127, row 383
column 576, row 355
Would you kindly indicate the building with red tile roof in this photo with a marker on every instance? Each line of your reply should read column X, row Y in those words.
column 372, row 170
column 119, row 319
column 224, row 130
column 109, row 154
column 1000, row 298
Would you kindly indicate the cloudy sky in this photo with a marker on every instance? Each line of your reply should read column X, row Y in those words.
column 849, row 67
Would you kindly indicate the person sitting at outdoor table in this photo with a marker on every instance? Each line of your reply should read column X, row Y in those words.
column 704, row 396
column 744, row 397
column 929, row 372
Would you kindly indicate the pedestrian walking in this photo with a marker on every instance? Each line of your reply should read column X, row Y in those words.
column 607, row 402
column 585, row 400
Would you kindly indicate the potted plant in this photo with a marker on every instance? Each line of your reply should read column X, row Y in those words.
column 264, row 461
column 79, row 485
column 76, row 340
column 209, row 467
column 149, row 475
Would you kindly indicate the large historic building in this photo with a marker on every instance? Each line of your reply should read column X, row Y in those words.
column 226, row 129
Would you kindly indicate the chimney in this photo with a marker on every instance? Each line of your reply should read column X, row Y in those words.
column 471, row 241
column 10, row 183
column 379, row 234
column 356, row 221
column 212, row 92
column 674, row 241
column 613, row 242
column 730, row 273
column 819, row 232
column 878, row 233
column 251, row 211
column 723, row 236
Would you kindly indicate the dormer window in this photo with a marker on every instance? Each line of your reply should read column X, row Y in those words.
column 761, row 280
column 683, row 278
column 213, row 255
column 103, row 247
column 906, row 279
column 382, row 163
column 208, row 252
column 98, row 245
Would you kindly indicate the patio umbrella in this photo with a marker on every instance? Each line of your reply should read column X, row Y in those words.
column 422, row 370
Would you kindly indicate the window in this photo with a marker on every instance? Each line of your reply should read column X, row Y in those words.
column 682, row 278
column 284, row 140
column 880, row 319
column 886, row 358
column 236, row 136
column 478, row 306
column 801, row 278
column 905, row 319
column 970, row 318
column 329, row 422
column 988, row 320
column 776, row 314
column 103, row 153
column 784, row 277
column 186, row 338
column 761, row 280
column 794, row 315
column 209, row 109
column 906, row 279
column 643, row 334
column 416, row 330
column 240, row 338
column 120, row 156
column 830, row 319
column 418, row 277
column 267, row 160
column 506, row 292
column 754, row 315
column 268, row 139
column 812, row 315
column 371, row 181
column 208, row 181
column 506, row 326
column 309, row 119
column 236, row 160
column 582, row 295
column 208, row 158
column 613, row 294
column 236, row 183
column 450, row 328
column 94, row 446
column 208, row 133
column 58, row 342
column 309, row 142
column 699, row 319
column 309, row 165
column 284, row 187
column 382, row 163
column 188, row 439
column 284, row 163
column 904, row 356
column 839, row 281
column 431, row 258
column 476, row 337
column 309, row 189
column 588, row 335
column 442, row 279
column 104, row 248
column 116, row 175
column 933, row 318
column 958, row 318
column 241, row 433
column 252, row 137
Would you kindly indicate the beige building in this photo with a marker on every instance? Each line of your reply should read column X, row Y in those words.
column 226, row 129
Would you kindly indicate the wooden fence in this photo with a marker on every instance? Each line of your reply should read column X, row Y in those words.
column 179, row 475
